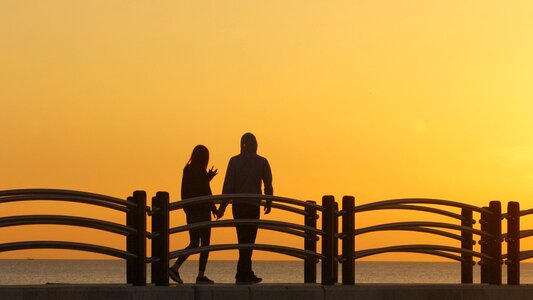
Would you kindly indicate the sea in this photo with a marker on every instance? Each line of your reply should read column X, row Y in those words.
column 37, row 271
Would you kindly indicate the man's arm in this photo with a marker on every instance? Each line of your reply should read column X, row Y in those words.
column 229, row 184
column 267, row 181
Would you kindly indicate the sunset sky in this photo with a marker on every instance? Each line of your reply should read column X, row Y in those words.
column 375, row 99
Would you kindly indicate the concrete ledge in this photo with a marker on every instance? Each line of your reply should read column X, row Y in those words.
column 270, row 292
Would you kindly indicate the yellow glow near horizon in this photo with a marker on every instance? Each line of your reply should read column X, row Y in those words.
column 376, row 99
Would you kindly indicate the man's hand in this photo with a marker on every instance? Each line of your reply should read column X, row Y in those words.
column 267, row 208
column 214, row 211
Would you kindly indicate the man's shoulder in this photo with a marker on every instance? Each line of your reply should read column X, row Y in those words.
column 262, row 158
column 234, row 158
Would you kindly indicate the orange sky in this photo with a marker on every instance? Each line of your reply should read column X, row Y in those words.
column 376, row 99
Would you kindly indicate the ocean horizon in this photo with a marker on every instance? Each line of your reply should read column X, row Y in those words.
column 88, row 271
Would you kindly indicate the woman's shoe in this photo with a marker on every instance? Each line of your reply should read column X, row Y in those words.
column 174, row 275
column 203, row 280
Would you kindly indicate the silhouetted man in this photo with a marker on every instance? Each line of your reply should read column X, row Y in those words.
column 245, row 173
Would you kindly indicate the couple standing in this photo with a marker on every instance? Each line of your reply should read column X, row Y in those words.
column 244, row 175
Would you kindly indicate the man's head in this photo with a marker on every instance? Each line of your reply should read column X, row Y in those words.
column 248, row 143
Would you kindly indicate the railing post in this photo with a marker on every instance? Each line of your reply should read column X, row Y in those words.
column 310, row 244
column 495, row 227
column 513, row 243
column 336, row 243
column 160, row 242
column 485, row 246
column 348, row 240
column 136, row 242
column 467, row 267
column 328, row 217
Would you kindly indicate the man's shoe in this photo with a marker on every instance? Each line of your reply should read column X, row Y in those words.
column 203, row 280
column 174, row 275
column 248, row 280
column 256, row 279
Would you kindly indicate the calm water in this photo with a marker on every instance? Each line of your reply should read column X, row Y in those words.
column 109, row 271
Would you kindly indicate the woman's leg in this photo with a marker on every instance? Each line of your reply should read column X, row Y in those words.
column 205, row 236
column 194, row 237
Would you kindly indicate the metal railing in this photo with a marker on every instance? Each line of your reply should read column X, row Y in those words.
column 459, row 230
column 134, row 230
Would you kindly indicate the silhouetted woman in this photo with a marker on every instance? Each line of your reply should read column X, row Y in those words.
column 195, row 183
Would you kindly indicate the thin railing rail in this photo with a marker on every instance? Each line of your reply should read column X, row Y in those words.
column 417, row 208
column 228, row 197
column 66, row 198
column 66, row 220
column 298, row 253
column 267, row 224
column 421, row 225
column 384, row 203
column 45, row 192
column 409, row 248
column 66, row 245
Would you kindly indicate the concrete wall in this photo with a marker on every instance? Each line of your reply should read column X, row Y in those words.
column 270, row 292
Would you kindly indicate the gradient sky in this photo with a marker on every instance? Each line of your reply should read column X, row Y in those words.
column 376, row 99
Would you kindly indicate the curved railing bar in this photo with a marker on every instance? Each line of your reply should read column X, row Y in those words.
column 50, row 197
column 219, row 198
column 280, row 226
column 66, row 245
column 67, row 193
column 303, row 254
column 441, row 254
column 421, row 208
column 425, row 230
column 438, row 253
column 526, row 212
column 525, row 255
column 287, row 208
column 524, row 233
column 66, row 220
column 286, row 230
column 410, row 248
column 382, row 227
column 374, row 205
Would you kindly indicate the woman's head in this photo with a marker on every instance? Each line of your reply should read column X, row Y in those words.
column 199, row 157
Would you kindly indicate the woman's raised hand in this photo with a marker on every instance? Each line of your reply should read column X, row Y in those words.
column 212, row 172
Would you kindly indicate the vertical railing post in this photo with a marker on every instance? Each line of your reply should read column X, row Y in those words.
column 495, row 227
column 484, row 245
column 348, row 240
column 328, row 217
column 467, row 267
column 160, row 242
column 336, row 243
column 130, row 243
column 310, row 244
column 513, row 243
column 136, row 242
